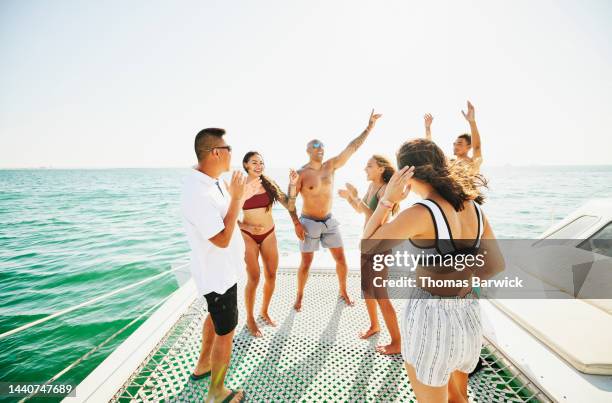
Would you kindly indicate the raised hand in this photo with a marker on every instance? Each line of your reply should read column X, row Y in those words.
column 237, row 185
column 352, row 190
column 470, row 116
column 373, row 119
column 293, row 177
column 398, row 188
column 349, row 194
column 344, row 194
column 340, row 160
column 428, row 120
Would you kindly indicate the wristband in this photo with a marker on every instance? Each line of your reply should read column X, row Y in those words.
column 386, row 204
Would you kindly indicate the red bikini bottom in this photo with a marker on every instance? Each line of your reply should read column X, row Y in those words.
column 259, row 238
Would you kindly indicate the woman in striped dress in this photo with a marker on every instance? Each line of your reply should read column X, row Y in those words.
column 440, row 327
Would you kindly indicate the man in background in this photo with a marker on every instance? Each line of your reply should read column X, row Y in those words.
column 464, row 142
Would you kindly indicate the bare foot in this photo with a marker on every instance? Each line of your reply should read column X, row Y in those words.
column 224, row 394
column 389, row 349
column 298, row 304
column 369, row 333
column 253, row 328
column 344, row 296
column 266, row 318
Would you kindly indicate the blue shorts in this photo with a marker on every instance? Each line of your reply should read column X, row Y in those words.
column 324, row 231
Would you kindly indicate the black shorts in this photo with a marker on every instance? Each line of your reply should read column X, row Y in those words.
column 223, row 309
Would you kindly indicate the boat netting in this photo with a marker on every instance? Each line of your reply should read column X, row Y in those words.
column 313, row 355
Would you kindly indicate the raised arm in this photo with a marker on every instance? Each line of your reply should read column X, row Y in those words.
column 294, row 177
column 354, row 145
column 295, row 184
column 470, row 116
column 428, row 121
column 288, row 200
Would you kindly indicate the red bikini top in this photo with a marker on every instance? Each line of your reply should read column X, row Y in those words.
column 257, row 201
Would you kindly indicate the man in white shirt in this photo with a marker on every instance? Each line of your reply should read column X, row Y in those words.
column 217, row 253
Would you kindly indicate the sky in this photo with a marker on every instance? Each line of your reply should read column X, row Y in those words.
column 129, row 84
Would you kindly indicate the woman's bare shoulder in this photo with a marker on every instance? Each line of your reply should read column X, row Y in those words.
column 414, row 215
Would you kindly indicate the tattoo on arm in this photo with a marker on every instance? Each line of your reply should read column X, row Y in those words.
column 294, row 216
column 291, row 196
column 350, row 149
column 284, row 200
column 357, row 142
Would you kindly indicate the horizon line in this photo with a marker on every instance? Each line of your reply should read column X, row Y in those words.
column 32, row 168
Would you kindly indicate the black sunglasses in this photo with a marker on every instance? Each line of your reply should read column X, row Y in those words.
column 228, row 148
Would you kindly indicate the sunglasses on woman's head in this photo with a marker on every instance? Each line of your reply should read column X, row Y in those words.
column 317, row 145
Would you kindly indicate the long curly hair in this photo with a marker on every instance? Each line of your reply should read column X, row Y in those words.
column 388, row 172
column 455, row 181
column 272, row 189
column 384, row 162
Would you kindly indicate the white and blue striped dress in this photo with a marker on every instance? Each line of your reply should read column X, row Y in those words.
column 441, row 335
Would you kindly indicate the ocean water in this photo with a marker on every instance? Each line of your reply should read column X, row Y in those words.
column 67, row 236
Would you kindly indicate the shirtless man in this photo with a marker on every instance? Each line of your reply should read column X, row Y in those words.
column 316, row 225
column 464, row 142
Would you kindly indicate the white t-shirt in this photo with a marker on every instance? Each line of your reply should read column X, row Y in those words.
column 203, row 207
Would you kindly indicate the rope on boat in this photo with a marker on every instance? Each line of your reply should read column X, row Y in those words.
column 87, row 303
column 99, row 346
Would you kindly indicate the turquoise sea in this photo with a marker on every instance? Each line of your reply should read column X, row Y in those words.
column 67, row 236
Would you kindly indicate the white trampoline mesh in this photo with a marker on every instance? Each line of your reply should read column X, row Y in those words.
column 314, row 355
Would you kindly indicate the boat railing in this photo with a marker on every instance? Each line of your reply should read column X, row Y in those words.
column 92, row 301
column 87, row 303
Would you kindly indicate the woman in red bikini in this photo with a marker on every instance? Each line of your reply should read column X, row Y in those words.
column 257, row 228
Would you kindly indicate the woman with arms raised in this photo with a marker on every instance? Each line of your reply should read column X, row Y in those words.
column 440, row 327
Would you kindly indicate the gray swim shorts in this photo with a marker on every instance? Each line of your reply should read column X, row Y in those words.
column 324, row 230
